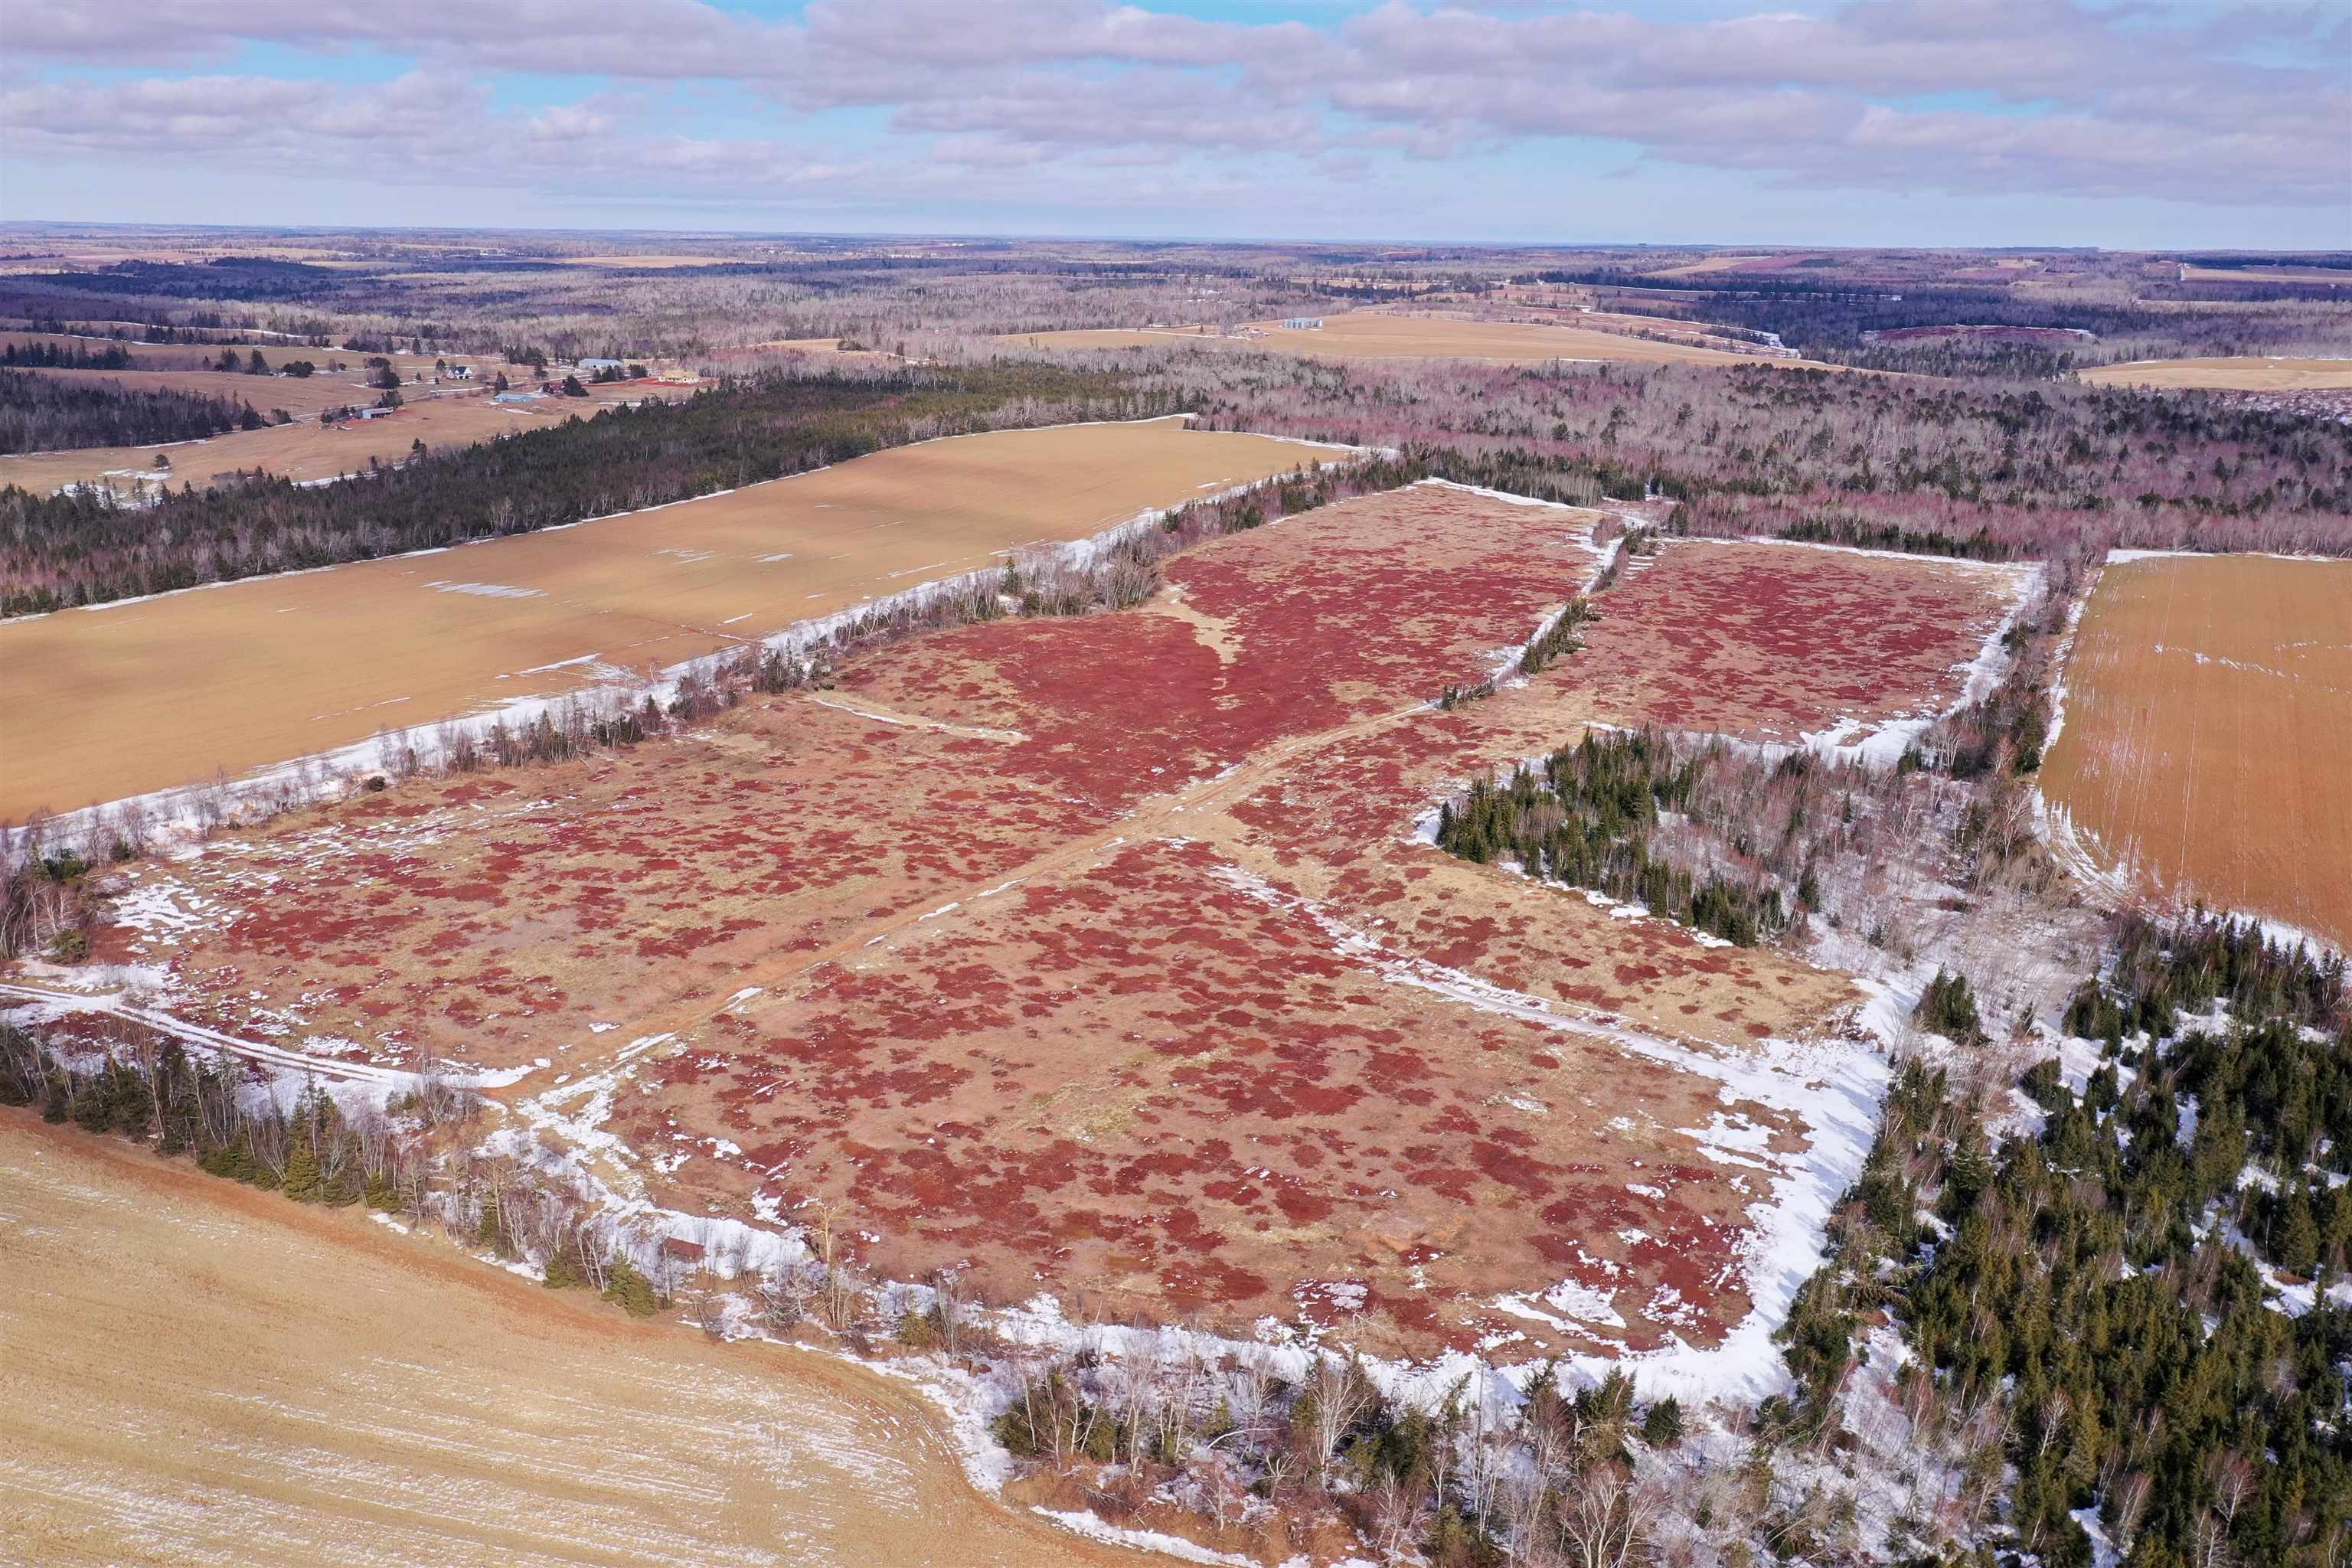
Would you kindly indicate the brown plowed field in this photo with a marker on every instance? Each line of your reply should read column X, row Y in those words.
column 2208, row 739
column 199, row 1374
column 103, row 703
column 1100, row 956
column 2227, row 375
column 1366, row 334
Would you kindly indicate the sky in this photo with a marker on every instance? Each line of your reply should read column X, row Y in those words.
column 1904, row 122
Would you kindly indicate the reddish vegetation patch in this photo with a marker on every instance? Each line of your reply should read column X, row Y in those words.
column 1099, row 955
column 1767, row 642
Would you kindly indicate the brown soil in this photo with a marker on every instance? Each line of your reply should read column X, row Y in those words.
column 198, row 1372
column 252, row 673
column 2208, row 732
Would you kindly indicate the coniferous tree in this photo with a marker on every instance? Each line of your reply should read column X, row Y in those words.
column 302, row 1181
column 631, row 1290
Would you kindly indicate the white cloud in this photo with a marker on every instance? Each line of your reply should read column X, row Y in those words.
column 1953, row 96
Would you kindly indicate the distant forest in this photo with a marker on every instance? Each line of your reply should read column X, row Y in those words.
column 41, row 414
column 60, row 551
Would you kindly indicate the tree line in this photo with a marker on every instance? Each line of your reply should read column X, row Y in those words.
column 42, row 414
column 79, row 548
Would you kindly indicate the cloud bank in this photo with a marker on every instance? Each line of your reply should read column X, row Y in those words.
column 1015, row 106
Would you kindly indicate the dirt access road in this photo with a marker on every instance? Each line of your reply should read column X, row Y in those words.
column 198, row 1372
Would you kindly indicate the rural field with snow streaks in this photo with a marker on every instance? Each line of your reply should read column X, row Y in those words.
column 2229, row 373
column 1368, row 334
column 244, row 675
column 303, row 450
column 1106, row 957
column 388, row 1401
column 2206, row 743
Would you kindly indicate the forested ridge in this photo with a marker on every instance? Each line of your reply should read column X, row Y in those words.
column 60, row 551
column 2139, row 1293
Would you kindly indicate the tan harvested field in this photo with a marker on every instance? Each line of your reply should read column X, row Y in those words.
column 303, row 397
column 2227, row 375
column 2208, row 739
column 663, row 262
column 1721, row 264
column 252, row 673
column 306, row 450
column 196, row 1373
column 1365, row 334
column 2336, row 275
column 1101, row 955
column 275, row 351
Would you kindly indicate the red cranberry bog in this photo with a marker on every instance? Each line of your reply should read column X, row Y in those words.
column 1106, row 960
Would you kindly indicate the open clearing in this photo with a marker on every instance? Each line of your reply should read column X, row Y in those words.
column 2336, row 275
column 303, row 396
column 252, row 673
column 664, row 263
column 1102, row 956
column 198, row 1372
column 1365, row 334
column 2208, row 740
column 305, row 451
column 2227, row 375
column 275, row 351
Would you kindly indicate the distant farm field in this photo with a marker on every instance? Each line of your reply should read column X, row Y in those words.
column 1372, row 335
column 252, row 673
column 304, row 451
column 201, row 1374
column 2229, row 375
column 2208, row 738
column 2284, row 274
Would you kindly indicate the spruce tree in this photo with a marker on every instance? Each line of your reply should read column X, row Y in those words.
column 301, row 1172
column 632, row 1292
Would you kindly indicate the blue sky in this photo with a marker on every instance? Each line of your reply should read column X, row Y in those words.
column 1908, row 122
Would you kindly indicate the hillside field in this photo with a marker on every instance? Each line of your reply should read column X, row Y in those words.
column 201, row 1374
column 2208, row 736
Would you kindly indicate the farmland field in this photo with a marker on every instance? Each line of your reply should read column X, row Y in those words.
column 201, row 1374
column 2208, row 737
column 201, row 356
column 1102, row 956
column 1365, row 334
column 303, row 450
column 256, row 672
column 2338, row 275
column 2243, row 374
